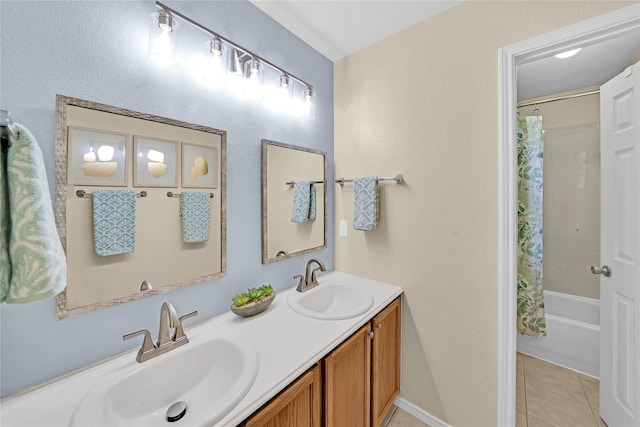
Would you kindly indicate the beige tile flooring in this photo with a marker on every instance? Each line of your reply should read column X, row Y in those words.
column 550, row 395
column 400, row 418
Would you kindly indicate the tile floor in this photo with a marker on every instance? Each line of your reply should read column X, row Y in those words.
column 549, row 395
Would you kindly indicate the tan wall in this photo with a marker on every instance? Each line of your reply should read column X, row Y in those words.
column 424, row 103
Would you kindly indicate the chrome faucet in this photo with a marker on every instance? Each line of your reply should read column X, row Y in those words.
column 166, row 342
column 309, row 281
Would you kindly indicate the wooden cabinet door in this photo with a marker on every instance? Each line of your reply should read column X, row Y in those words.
column 347, row 373
column 385, row 382
column 299, row 405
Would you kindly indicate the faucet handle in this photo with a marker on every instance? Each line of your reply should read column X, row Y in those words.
column 147, row 344
column 300, row 278
column 179, row 332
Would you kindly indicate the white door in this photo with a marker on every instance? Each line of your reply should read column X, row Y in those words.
column 620, row 250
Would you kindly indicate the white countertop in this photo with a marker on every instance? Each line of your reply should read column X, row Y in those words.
column 292, row 345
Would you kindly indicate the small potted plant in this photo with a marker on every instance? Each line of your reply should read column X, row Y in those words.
column 254, row 301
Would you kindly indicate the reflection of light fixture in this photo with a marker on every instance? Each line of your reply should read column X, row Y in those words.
column 89, row 156
column 155, row 156
column 567, row 54
column 105, row 153
column 162, row 38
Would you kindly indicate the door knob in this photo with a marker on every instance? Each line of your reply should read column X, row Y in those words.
column 605, row 269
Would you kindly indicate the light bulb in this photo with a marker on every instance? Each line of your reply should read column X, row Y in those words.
column 162, row 38
column 284, row 81
column 254, row 67
column 105, row 153
column 216, row 46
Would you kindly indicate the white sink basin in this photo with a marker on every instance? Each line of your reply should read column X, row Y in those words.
column 331, row 301
column 211, row 377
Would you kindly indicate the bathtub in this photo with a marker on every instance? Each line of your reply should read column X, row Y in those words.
column 573, row 334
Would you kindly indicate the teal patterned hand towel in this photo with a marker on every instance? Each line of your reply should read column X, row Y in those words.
column 38, row 267
column 365, row 203
column 304, row 202
column 195, row 210
column 114, row 222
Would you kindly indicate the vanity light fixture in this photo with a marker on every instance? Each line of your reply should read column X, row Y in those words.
column 162, row 38
column 236, row 67
column 567, row 54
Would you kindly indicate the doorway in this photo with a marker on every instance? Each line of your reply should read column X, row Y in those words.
column 590, row 32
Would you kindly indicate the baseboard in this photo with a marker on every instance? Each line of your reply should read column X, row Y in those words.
column 419, row 413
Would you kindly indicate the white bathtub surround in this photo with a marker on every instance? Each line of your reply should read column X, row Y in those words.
column 573, row 334
column 287, row 343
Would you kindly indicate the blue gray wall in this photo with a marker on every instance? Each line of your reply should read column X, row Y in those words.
column 97, row 51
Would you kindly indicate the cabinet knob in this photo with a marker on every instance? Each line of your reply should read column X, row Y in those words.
column 371, row 334
column 379, row 326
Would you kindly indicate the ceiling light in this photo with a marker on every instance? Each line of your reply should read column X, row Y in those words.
column 567, row 54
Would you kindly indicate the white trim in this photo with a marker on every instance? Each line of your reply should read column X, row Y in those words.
column 584, row 33
column 419, row 413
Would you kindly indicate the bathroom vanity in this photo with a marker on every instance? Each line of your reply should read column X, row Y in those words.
column 300, row 359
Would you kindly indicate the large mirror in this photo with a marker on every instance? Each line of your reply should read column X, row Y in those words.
column 285, row 231
column 140, row 204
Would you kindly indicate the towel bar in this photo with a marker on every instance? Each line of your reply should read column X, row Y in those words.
column 82, row 193
column 171, row 194
column 292, row 183
column 399, row 179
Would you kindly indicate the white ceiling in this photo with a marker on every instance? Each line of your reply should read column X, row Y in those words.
column 592, row 66
column 338, row 28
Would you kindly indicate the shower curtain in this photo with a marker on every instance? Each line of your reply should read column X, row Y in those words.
column 530, row 302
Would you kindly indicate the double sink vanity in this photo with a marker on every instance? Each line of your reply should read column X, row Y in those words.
column 324, row 353
column 327, row 356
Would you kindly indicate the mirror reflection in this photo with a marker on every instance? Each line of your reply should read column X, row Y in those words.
column 140, row 204
column 294, row 218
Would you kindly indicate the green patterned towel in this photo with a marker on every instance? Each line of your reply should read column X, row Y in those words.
column 38, row 264
column 304, row 202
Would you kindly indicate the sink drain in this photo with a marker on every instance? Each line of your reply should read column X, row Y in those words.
column 176, row 411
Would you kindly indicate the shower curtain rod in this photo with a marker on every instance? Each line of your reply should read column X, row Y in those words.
column 559, row 98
